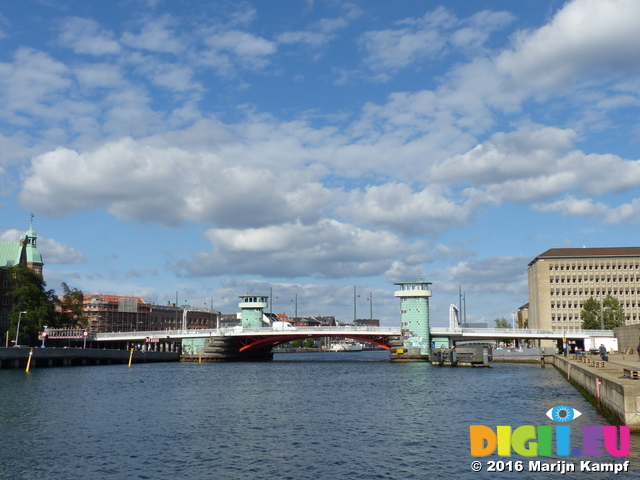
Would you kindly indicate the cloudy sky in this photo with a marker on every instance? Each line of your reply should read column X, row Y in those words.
column 215, row 148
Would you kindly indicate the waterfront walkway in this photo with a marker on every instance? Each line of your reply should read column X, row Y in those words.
column 612, row 389
column 616, row 364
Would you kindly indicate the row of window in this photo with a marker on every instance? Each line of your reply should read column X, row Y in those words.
column 595, row 267
column 591, row 293
column 578, row 305
column 630, row 319
column 593, row 280
column 415, row 287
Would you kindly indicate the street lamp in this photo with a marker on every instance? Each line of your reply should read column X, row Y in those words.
column 18, row 328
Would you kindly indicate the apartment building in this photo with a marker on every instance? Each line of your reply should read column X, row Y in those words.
column 561, row 280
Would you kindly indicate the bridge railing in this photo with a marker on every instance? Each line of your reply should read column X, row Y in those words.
column 522, row 331
column 345, row 329
column 234, row 331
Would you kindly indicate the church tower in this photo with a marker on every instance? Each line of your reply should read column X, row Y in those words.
column 33, row 259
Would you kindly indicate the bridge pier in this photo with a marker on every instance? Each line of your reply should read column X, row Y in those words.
column 399, row 353
column 227, row 349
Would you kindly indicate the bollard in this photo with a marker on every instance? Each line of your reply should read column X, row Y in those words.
column 130, row 358
column 29, row 360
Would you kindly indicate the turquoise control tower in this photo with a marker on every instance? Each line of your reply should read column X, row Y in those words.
column 252, row 306
column 414, row 319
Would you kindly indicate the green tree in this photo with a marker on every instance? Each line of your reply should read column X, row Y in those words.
column 71, row 304
column 29, row 294
column 502, row 323
column 612, row 313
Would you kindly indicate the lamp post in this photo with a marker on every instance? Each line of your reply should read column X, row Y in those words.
column 18, row 328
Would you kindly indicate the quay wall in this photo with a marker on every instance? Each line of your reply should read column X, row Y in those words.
column 617, row 398
column 62, row 357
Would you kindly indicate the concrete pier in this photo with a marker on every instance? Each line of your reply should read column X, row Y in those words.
column 609, row 385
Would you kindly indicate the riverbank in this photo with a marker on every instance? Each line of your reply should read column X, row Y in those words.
column 62, row 357
column 612, row 386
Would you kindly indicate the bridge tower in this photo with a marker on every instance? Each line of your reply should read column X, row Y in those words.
column 414, row 321
column 252, row 306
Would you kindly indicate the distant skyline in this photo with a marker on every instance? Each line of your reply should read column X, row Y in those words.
column 221, row 148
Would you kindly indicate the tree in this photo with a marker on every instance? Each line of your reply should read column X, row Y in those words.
column 611, row 311
column 502, row 323
column 71, row 313
column 29, row 295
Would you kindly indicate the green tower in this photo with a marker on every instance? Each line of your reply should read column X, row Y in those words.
column 252, row 306
column 414, row 317
column 33, row 257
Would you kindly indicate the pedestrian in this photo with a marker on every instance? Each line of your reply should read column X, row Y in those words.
column 603, row 352
column 638, row 349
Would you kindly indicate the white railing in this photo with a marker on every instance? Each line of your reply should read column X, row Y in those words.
column 521, row 332
column 293, row 330
column 240, row 331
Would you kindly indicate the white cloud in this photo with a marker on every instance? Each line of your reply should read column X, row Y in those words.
column 317, row 35
column 228, row 49
column 401, row 272
column 415, row 39
column 599, row 38
column 395, row 206
column 326, row 249
column 86, row 36
column 31, row 85
column 536, row 164
column 489, row 275
column 507, row 156
column 430, row 37
column 156, row 35
column 54, row 252
column 99, row 75
column 134, row 181
column 627, row 213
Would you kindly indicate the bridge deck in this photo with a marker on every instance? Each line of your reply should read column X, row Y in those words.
column 456, row 333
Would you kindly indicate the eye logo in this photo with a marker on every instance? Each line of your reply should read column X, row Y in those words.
column 562, row 413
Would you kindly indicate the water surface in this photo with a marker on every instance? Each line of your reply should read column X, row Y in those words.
column 302, row 416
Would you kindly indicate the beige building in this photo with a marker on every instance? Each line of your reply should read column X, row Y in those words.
column 561, row 280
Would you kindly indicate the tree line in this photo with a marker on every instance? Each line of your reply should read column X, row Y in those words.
column 594, row 315
column 35, row 306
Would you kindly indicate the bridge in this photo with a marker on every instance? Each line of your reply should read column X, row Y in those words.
column 239, row 342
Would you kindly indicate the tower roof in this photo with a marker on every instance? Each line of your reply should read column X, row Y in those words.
column 33, row 256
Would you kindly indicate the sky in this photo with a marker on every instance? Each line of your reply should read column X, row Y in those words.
column 201, row 150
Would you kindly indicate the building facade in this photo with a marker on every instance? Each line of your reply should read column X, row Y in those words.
column 114, row 313
column 561, row 280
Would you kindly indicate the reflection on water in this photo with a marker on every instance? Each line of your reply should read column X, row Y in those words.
column 302, row 416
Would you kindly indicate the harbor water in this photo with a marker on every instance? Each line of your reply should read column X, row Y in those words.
column 301, row 416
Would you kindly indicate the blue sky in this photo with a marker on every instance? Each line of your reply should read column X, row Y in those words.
column 219, row 148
